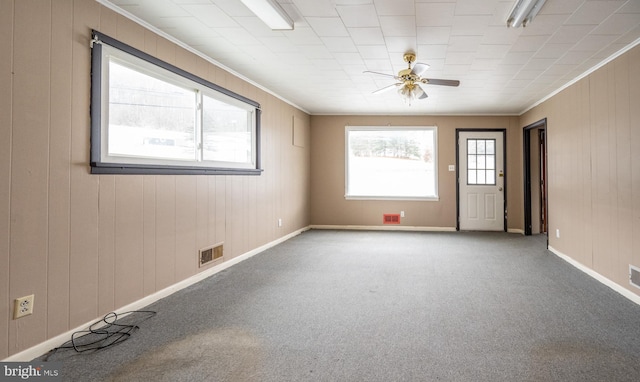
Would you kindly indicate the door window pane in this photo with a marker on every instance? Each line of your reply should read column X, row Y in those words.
column 481, row 162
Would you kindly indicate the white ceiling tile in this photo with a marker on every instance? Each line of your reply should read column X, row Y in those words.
column 398, row 25
column 475, row 7
column 324, row 65
column 434, row 14
column 618, row 24
column 629, row 37
column 564, row 7
column 464, row 43
column 395, row 7
column 433, row 35
column 339, row 44
column 315, row 51
column 191, row 1
column 428, row 52
column 315, row 8
column 529, row 43
column 233, row 8
column 383, row 66
column 554, row 51
column 631, row 6
column 501, row 35
column 366, row 36
column 570, row 34
column 278, row 44
column 328, row 26
column 486, row 63
column 349, row 59
column 352, row 2
column 373, row 51
column 539, row 64
column 303, row 36
column 358, row 16
column 238, row 36
column 459, row 58
column 210, row 15
column 490, row 51
column 517, row 58
column 400, row 44
column 573, row 57
column 594, row 12
column 593, row 42
column 470, row 25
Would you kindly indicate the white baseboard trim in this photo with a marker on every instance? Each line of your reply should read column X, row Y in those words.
column 43, row 347
column 384, row 228
column 515, row 230
column 611, row 284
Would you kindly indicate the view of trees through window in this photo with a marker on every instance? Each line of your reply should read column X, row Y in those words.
column 391, row 162
column 149, row 117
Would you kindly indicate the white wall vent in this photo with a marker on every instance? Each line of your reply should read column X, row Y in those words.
column 634, row 276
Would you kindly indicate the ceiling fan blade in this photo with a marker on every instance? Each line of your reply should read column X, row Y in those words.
column 421, row 94
column 435, row 81
column 419, row 68
column 382, row 74
column 387, row 88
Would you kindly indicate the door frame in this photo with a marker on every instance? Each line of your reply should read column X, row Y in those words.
column 526, row 139
column 504, row 165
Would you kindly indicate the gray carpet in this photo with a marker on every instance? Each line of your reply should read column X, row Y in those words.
column 383, row 306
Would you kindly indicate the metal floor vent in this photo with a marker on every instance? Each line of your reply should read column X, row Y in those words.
column 210, row 254
column 634, row 276
column 390, row 218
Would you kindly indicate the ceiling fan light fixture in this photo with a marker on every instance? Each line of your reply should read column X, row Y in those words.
column 271, row 13
column 523, row 12
column 409, row 93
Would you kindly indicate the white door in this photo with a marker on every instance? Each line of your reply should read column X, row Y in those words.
column 481, row 183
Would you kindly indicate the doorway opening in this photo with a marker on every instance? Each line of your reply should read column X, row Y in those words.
column 536, row 219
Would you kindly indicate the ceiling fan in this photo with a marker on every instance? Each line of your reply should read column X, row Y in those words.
column 410, row 80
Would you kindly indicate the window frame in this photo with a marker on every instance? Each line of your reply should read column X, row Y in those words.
column 105, row 164
column 433, row 128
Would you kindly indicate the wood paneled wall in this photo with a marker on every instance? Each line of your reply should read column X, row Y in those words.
column 329, row 206
column 593, row 135
column 88, row 244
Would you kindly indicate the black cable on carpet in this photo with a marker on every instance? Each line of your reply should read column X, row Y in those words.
column 111, row 330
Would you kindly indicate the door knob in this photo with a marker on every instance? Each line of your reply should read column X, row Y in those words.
column 499, row 188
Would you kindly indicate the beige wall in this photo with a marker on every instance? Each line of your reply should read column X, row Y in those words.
column 593, row 136
column 328, row 204
column 87, row 244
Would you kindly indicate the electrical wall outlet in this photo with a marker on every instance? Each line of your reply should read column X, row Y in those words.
column 401, row 214
column 23, row 306
column 279, row 222
column 558, row 233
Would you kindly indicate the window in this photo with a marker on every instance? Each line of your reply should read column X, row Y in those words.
column 148, row 116
column 481, row 161
column 391, row 163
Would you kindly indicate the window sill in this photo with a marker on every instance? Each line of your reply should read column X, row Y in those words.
column 127, row 169
column 400, row 198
